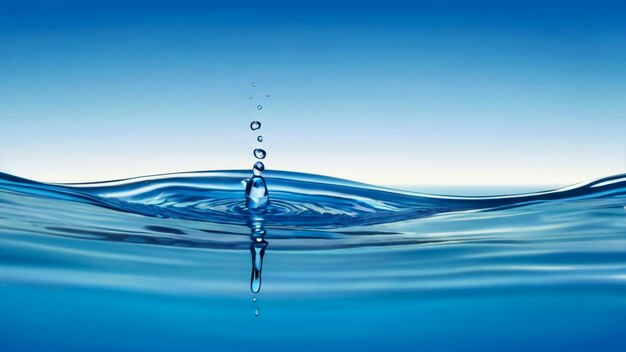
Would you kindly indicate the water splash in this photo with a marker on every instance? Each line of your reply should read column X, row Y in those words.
column 256, row 193
column 257, row 199
column 298, row 200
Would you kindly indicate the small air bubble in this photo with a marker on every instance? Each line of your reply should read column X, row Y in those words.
column 253, row 299
column 254, row 84
column 267, row 95
column 259, row 138
column 256, row 312
column 259, row 107
column 251, row 98
column 255, row 125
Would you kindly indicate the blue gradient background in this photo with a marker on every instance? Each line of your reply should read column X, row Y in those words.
column 435, row 92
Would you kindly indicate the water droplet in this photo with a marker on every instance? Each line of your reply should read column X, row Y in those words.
column 253, row 299
column 255, row 125
column 259, row 107
column 256, row 312
column 251, row 98
column 258, row 168
column 256, row 193
column 259, row 138
column 254, row 84
column 259, row 153
column 267, row 95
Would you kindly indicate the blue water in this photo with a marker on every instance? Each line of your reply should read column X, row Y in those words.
column 166, row 263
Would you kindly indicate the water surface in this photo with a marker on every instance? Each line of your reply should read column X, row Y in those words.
column 164, row 263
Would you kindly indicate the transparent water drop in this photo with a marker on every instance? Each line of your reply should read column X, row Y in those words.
column 259, row 138
column 256, row 193
column 255, row 125
column 259, row 107
column 258, row 168
column 254, row 84
column 253, row 299
column 259, row 153
column 256, row 312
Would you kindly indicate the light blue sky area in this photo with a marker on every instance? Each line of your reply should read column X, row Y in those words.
column 386, row 93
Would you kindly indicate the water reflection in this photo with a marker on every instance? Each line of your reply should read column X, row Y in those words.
column 257, row 250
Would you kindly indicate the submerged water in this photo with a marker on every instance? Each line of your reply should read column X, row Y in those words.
column 167, row 263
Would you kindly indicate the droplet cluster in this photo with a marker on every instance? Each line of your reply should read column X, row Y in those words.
column 258, row 153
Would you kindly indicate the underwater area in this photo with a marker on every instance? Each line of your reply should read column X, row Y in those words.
column 178, row 262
